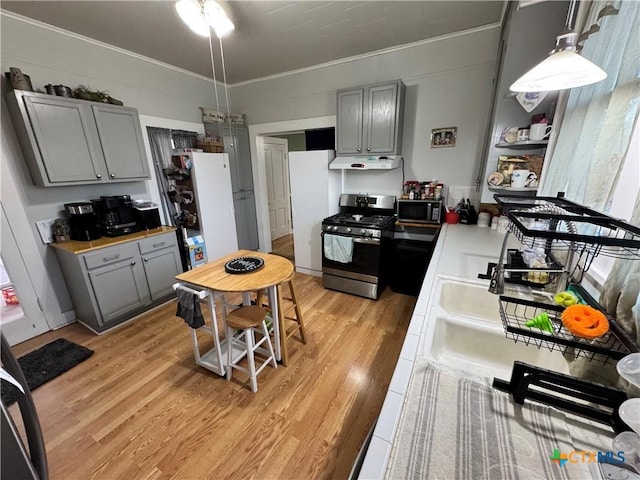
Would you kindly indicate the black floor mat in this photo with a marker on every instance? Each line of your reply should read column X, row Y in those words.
column 44, row 364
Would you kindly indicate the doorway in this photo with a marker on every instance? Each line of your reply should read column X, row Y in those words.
column 276, row 151
column 21, row 315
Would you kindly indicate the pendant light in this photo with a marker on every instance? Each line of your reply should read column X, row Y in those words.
column 564, row 67
column 200, row 15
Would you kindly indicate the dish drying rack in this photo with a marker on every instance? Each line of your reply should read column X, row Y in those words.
column 572, row 236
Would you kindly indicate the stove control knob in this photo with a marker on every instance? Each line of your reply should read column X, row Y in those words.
column 363, row 232
column 348, row 229
column 335, row 228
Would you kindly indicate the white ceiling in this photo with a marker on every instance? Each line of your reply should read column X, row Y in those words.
column 271, row 37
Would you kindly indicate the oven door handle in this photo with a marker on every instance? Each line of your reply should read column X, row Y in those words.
column 365, row 240
column 375, row 241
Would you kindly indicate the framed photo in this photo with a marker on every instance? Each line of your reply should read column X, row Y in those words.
column 444, row 137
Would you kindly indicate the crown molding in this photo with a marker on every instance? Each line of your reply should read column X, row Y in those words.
column 375, row 53
column 77, row 36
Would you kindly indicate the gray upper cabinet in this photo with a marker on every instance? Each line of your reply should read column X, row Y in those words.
column 350, row 121
column 67, row 141
column 61, row 131
column 236, row 145
column 121, row 140
column 369, row 119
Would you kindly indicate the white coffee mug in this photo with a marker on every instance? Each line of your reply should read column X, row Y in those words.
column 522, row 178
column 539, row 131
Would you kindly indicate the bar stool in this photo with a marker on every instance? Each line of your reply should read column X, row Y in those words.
column 250, row 320
column 285, row 310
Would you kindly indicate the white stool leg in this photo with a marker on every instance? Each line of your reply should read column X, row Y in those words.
column 248, row 335
column 266, row 334
column 229, row 352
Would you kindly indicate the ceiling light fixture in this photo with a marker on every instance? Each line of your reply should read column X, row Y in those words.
column 200, row 15
column 564, row 67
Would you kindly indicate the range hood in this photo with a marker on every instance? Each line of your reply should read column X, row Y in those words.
column 385, row 162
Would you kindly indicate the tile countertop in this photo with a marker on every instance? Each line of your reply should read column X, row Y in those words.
column 76, row 247
column 462, row 251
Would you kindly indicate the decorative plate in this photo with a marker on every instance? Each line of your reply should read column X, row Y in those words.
column 495, row 179
column 510, row 134
column 243, row 265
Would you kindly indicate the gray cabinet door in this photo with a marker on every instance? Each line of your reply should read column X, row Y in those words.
column 63, row 132
column 350, row 121
column 246, row 222
column 381, row 118
column 121, row 140
column 230, row 143
column 119, row 288
column 160, row 268
column 244, row 158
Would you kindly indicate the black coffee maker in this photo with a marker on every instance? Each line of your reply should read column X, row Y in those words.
column 83, row 221
column 115, row 215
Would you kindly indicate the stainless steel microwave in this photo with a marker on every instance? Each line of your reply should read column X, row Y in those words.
column 420, row 211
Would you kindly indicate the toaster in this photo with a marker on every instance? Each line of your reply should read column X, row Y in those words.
column 147, row 215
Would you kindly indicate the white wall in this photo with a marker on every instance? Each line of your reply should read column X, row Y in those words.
column 49, row 55
column 448, row 84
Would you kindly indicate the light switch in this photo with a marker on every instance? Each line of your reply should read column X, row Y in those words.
column 45, row 229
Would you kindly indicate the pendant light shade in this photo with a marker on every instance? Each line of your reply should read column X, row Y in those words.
column 190, row 12
column 563, row 68
column 217, row 18
column 199, row 16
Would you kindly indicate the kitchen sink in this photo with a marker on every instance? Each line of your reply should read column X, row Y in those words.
column 465, row 331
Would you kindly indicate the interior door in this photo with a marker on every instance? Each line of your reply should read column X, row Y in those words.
column 277, row 166
column 28, row 320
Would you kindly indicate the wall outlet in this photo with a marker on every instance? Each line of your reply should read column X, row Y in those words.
column 45, row 229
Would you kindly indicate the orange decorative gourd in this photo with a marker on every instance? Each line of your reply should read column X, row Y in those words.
column 585, row 321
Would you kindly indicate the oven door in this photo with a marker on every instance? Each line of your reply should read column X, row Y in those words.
column 365, row 262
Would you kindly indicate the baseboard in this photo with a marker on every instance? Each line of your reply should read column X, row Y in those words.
column 308, row 271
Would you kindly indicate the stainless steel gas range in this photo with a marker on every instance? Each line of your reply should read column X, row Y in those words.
column 354, row 243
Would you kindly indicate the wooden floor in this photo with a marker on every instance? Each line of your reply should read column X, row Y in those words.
column 140, row 408
column 283, row 246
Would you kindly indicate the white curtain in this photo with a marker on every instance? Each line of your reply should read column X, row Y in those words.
column 599, row 118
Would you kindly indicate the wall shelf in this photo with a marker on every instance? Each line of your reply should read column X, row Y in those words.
column 526, row 144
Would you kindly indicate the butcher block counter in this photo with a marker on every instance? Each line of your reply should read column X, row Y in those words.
column 77, row 247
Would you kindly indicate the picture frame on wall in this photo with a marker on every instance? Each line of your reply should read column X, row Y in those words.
column 444, row 137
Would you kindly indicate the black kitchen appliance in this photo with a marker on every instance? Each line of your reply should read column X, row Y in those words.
column 428, row 211
column 115, row 215
column 83, row 221
column 365, row 226
column 147, row 215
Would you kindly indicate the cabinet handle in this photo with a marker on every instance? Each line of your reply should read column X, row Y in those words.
column 113, row 175
column 133, row 263
column 368, row 149
column 359, row 149
column 231, row 144
column 146, row 259
column 98, row 175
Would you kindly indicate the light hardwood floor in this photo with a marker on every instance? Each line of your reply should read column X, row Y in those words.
column 140, row 408
column 283, row 246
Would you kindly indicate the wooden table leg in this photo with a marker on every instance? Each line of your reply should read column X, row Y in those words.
column 282, row 327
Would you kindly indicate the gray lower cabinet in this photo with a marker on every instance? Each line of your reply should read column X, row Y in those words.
column 67, row 141
column 112, row 284
column 370, row 119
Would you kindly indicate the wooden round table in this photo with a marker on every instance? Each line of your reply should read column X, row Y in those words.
column 275, row 271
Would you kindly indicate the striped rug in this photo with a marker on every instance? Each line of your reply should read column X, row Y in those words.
column 456, row 428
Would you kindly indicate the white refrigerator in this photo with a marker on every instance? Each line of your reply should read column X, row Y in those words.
column 315, row 192
column 211, row 179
